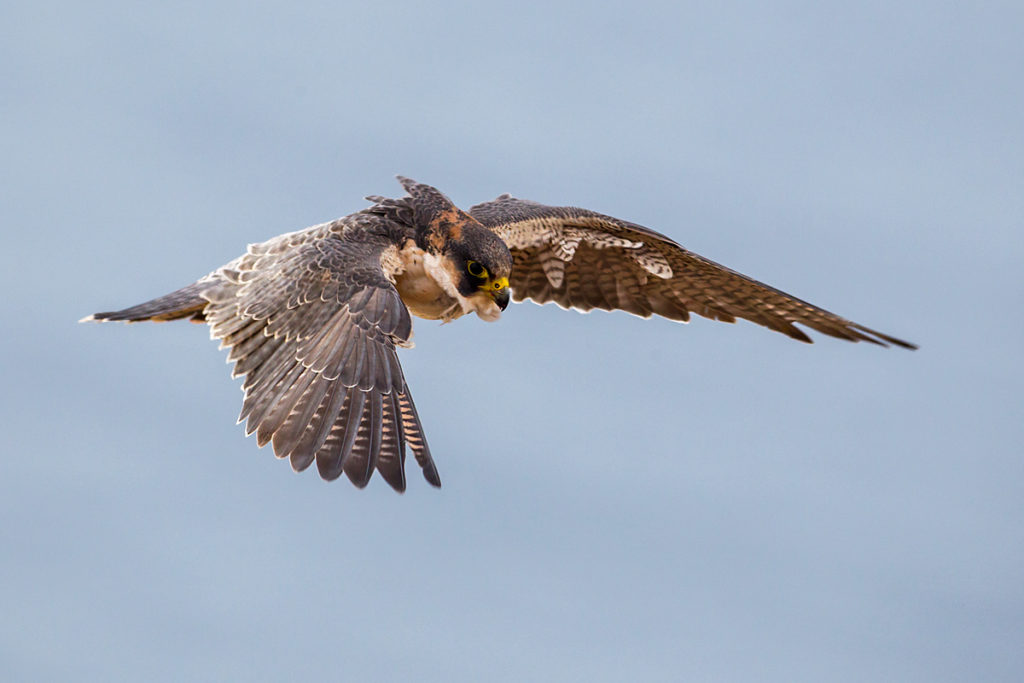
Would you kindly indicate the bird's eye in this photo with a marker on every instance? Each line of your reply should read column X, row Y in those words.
column 475, row 269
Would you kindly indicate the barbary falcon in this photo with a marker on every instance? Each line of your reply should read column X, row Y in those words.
column 312, row 318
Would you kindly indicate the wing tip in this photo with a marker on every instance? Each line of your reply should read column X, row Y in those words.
column 909, row 346
column 856, row 333
column 431, row 475
column 357, row 479
column 105, row 317
column 876, row 337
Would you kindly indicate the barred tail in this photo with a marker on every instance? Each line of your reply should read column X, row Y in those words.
column 187, row 302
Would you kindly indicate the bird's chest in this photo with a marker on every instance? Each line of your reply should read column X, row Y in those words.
column 425, row 286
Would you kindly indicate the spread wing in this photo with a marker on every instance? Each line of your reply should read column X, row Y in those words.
column 585, row 260
column 312, row 322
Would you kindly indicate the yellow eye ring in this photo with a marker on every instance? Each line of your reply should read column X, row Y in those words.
column 475, row 269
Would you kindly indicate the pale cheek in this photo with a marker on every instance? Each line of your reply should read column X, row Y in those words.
column 440, row 272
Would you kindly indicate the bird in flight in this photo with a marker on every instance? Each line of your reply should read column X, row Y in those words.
column 312, row 318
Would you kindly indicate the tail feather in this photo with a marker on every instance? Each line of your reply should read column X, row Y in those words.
column 187, row 302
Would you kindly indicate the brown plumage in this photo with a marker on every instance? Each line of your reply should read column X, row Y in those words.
column 584, row 260
column 312, row 318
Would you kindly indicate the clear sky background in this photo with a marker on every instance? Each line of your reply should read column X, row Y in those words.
column 650, row 501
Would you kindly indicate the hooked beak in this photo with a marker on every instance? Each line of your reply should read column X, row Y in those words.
column 501, row 298
column 498, row 289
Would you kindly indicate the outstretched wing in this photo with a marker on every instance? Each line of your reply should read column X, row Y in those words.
column 585, row 260
column 312, row 322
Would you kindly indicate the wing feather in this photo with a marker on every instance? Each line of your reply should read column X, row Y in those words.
column 581, row 259
column 362, row 459
column 300, row 417
column 391, row 459
column 414, row 437
column 312, row 322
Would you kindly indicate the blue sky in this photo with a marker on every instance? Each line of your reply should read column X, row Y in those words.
column 653, row 501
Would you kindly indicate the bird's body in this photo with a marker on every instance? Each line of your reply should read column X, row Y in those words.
column 312, row 318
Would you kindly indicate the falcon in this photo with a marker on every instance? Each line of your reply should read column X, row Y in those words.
column 312, row 319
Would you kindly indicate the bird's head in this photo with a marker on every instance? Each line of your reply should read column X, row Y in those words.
column 480, row 265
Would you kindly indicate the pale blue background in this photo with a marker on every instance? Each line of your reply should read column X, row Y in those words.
column 624, row 499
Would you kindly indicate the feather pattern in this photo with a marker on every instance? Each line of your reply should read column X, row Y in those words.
column 312, row 321
column 584, row 260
